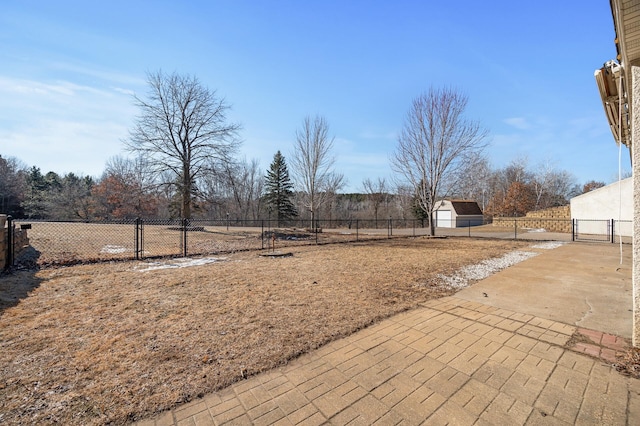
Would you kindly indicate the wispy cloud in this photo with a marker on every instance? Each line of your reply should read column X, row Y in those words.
column 62, row 126
column 591, row 127
column 582, row 144
column 58, row 92
column 519, row 123
column 115, row 78
column 127, row 92
column 65, row 146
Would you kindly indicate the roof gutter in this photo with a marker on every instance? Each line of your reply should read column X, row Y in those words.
column 613, row 84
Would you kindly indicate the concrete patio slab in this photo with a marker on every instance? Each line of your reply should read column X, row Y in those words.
column 582, row 284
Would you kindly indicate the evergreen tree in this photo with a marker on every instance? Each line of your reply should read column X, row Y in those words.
column 69, row 197
column 35, row 195
column 279, row 189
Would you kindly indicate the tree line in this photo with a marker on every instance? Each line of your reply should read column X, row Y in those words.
column 183, row 162
column 241, row 190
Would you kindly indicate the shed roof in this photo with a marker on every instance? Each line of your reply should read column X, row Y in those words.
column 466, row 208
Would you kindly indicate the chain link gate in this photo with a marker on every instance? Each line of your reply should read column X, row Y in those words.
column 140, row 243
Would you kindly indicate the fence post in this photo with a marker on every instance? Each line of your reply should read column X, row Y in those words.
column 515, row 228
column 414, row 227
column 612, row 231
column 137, row 238
column 10, row 247
column 262, row 235
column 469, row 225
column 184, row 236
column 357, row 230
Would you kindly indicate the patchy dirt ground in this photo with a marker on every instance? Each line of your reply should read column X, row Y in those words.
column 629, row 364
column 115, row 342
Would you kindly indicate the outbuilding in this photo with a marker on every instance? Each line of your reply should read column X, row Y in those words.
column 458, row 214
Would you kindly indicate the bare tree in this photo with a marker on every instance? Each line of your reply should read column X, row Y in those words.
column 13, row 178
column 502, row 183
column 435, row 145
column 347, row 206
column 137, row 170
column 552, row 187
column 312, row 164
column 244, row 181
column 591, row 185
column 519, row 199
column 475, row 181
column 517, row 171
column 126, row 190
column 233, row 188
column 377, row 192
column 182, row 127
column 403, row 200
column 335, row 182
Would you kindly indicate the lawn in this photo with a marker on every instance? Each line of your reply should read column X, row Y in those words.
column 115, row 342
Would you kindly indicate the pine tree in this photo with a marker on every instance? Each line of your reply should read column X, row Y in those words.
column 35, row 205
column 279, row 189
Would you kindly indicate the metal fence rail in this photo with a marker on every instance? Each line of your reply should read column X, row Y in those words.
column 602, row 230
column 64, row 242
column 593, row 230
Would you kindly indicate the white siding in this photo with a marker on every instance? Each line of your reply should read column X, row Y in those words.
column 613, row 201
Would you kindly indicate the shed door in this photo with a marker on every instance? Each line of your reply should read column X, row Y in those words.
column 443, row 219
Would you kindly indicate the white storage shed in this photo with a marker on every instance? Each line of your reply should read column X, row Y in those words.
column 458, row 214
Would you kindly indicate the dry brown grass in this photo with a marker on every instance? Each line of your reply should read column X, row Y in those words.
column 107, row 343
column 629, row 363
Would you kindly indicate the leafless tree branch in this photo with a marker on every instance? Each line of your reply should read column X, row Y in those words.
column 435, row 144
column 312, row 163
column 182, row 127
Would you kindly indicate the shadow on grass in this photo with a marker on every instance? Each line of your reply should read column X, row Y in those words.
column 17, row 282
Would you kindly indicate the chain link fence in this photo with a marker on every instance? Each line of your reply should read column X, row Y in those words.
column 64, row 242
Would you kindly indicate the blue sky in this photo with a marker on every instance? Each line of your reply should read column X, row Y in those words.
column 68, row 70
